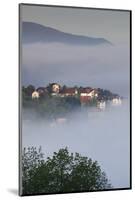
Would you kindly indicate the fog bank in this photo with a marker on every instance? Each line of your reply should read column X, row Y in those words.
column 101, row 135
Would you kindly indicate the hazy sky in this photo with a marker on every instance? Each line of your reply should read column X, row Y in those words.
column 112, row 25
column 107, row 67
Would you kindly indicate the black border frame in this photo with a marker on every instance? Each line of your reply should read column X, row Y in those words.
column 20, row 97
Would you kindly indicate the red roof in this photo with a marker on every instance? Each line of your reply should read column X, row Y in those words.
column 86, row 90
column 69, row 91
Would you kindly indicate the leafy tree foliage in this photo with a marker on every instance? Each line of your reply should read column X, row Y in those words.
column 29, row 89
column 64, row 87
column 63, row 172
column 51, row 106
column 31, row 160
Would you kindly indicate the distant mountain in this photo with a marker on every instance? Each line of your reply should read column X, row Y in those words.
column 32, row 32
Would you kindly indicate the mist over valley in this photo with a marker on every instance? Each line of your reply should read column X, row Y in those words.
column 101, row 135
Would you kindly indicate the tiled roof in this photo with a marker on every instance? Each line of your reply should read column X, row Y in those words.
column 86, row 90
column 69, row 91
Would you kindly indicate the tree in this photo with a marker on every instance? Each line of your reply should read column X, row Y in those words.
column 31, row 161
column 64, row 87
column 29, row 90
column 63, row 172
column 49, row 87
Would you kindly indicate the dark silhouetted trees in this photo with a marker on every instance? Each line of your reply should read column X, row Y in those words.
column 63, row 172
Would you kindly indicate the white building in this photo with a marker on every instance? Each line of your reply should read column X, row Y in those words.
column 101, row 105
column 89, row 93
column 55, row 88
column 116, row 101
column 35, row 95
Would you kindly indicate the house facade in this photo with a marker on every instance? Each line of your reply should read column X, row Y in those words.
column 55, row 88
column 35, row 95
column 116, row 101
column 86, row 94
column 101, row 105
column 69, row 92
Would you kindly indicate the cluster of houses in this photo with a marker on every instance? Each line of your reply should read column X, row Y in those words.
column 86, row 94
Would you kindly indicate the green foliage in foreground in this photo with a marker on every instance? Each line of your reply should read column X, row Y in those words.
column 63, row 172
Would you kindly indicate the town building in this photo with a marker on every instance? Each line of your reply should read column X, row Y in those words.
column 55, row 88
column 35, row 95
column 101, row 105
column 69, row 92
column 116, row 101
column 86, row 94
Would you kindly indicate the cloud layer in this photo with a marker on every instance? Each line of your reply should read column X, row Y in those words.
column 99, row 66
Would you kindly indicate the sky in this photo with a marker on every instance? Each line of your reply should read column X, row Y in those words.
column 107, row 67
column 112, row 25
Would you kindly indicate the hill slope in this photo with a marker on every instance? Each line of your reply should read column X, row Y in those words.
column 32, row 32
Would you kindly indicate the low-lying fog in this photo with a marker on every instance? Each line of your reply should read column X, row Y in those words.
column 101, row 135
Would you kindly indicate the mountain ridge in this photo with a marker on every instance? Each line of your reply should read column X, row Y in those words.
column 33, row 32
